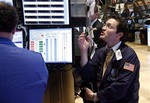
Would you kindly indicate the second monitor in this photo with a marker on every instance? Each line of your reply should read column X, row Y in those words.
column 55, row 44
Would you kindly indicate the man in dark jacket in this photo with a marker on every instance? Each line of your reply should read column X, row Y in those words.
column 97, row 23
column 119, row 77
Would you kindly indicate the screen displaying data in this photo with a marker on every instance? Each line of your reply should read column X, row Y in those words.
column 18, row 38
column 46, row 12
column 55, row 44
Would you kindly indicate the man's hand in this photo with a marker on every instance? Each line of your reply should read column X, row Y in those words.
column 83, row 42
column 88, row 94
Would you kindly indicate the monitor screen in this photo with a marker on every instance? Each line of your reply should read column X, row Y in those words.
column 8, row 1
column 45, row 12
column 55, row 44
column 18, row 38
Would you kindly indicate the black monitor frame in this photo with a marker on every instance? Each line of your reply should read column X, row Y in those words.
column 44, row 28
column 48, row 23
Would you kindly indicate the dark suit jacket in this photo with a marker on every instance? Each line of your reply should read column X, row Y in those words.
column 118, row 85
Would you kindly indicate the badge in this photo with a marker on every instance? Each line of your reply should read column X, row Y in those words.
column 118, row 54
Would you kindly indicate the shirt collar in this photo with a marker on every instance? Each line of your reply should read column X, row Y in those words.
column 115, row 47
column 6, row 41
column 93, row 21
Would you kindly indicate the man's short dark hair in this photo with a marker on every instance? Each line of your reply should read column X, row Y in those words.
column 8, row 17
column 122, row 25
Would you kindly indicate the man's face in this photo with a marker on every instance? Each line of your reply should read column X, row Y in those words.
column 109, row 30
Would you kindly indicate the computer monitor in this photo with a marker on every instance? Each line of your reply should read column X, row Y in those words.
column 46, row 12
column 8, row 1
column 55, row 44
column 18, row 38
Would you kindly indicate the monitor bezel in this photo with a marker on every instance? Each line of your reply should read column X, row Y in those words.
column 50, row 25
column 49, row 64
